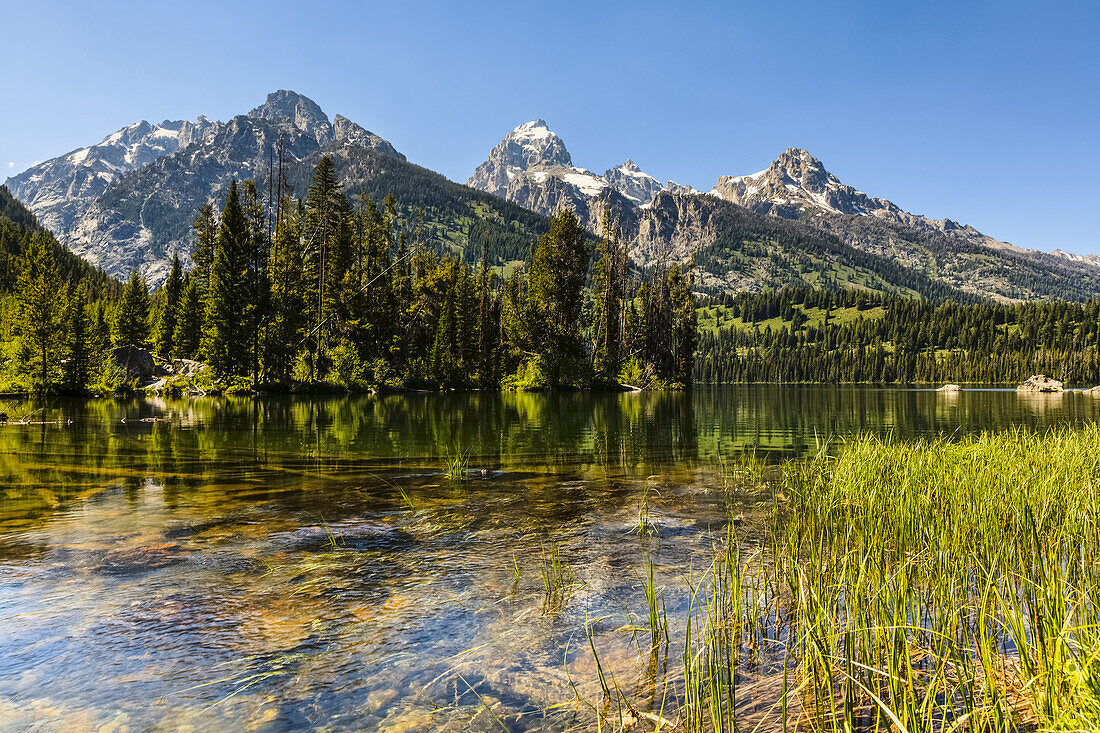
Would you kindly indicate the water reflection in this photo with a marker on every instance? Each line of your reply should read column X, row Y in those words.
column 290, row 563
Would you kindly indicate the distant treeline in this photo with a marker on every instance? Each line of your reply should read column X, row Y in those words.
column 874, row 338
column 323, row 291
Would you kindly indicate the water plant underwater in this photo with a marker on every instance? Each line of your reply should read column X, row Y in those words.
column 908, row 586
column 458, row 465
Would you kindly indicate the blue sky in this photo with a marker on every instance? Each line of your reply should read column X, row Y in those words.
column 984, row 112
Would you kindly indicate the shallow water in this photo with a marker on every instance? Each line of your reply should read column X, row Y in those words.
column 280, row 564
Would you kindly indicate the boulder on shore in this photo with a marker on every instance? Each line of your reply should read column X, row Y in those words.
column 1040, row 383
column 186, row 367
column 136, row 363
column 949, row 388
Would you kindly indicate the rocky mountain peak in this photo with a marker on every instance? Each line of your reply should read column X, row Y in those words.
column 349, row 133
column 530, row 145
column 299, row 111
column 794, row 183
column 534, row 143
column 797, row 185
column 177, row 164
column 632, row 182
column 799, row 167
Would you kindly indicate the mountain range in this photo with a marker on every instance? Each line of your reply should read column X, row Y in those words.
column 127, row 203
column 817, row 230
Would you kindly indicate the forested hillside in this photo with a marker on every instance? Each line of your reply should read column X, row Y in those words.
column 17, row 227
column 800, row 335
column 323, row 292
column 734, row 247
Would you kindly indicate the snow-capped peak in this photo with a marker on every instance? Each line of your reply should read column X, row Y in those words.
column 533, row 130
column 528, row 147
column 59, row 189
column 632, row 182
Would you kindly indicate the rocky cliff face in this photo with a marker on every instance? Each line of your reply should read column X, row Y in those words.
column 531, row 167
column 126, row 203
column 858, row 240
column 798, row 185
column 633, row 183
column 61, row 189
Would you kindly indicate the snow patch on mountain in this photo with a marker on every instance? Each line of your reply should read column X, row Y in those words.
column 532, row 167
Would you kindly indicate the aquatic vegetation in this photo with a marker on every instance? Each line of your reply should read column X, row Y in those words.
column 647, row 526
column 557, row 575
column 657, row 620
column 743, row 472
column 458, row 465
column 922, row 586
column 405, row 498
column 314, row 562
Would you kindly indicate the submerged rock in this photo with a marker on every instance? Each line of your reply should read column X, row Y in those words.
column 127, row 560
column 361, row 536
column 1040, row 383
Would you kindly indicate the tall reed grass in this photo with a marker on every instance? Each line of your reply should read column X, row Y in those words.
column 907, row 586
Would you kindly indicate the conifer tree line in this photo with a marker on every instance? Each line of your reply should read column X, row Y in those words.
column 332, row 291
column 893, row 339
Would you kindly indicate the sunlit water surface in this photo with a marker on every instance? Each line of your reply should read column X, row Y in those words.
column 279, row 564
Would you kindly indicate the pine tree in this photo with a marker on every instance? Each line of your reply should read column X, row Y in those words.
column 257, row 282
column 325, row 208
column 169, row 309
column 187, row 336
column 225, row 337
column 40, row 313
column 555, row 295
column 101, row 327
column 484, row 318
column 685, row 325
column 607, row 329
column 289, row 297
column 205, row 227
column 132, row 316
column 78, row 343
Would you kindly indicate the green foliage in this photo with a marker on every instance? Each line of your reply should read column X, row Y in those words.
column 371, row 296
column 169, row 311
column 18, row 227
column 187, row 335
column 40, row 312
column 554, row 297
column 348, row 370
column 226, row 318
column 856, row 336
column 610, row 290
column 78, row 342
column 132, row 316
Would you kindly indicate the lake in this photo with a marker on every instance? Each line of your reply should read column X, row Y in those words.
column 289, row 563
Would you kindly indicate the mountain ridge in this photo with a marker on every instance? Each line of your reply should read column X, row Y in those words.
column 795, row 187
column 119, row 205
column 127, row 202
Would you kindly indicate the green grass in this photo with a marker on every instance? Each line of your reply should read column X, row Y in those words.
column 921, row 586
column 458, row 465
column 716, row 317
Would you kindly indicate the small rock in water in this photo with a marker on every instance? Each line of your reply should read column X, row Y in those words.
column 128, row 560
column 364, row 536
column 1040, row 383
column 949, row 388
column 377, row 699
